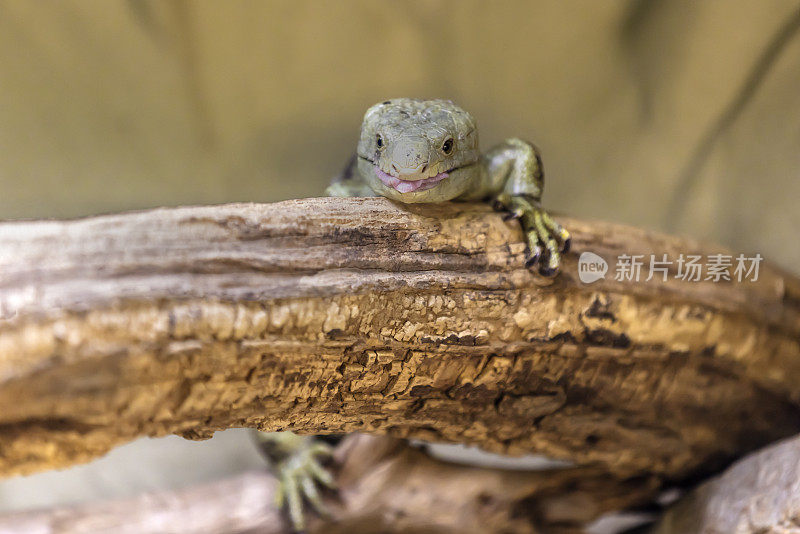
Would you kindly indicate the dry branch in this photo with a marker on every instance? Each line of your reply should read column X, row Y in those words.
column 331, row 315
column 759, row 494
column 380, row 484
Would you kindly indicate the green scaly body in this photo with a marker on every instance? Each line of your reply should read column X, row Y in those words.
column 421, row 151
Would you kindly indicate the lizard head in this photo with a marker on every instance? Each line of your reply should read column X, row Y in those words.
column 418, row 150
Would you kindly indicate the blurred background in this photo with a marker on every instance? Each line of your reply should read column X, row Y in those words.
column 675, row 115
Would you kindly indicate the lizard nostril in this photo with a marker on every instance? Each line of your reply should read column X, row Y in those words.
column 394, row 167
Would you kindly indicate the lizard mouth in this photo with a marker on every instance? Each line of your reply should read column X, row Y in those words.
column 409, row 186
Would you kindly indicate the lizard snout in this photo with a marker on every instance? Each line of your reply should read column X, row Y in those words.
column 406, row 170
column 409, row 159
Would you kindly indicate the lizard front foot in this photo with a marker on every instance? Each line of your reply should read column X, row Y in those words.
column 547, row 239
column 297, row 463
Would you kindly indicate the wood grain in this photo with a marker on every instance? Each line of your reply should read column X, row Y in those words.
column 341, row 315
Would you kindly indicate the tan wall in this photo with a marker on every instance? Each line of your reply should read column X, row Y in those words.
column 109, row 105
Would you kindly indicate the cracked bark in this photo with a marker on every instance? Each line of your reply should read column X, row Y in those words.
column 341, row 315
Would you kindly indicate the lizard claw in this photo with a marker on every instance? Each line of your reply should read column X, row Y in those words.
column 547, row 239
column 547, row 272
column 546, row 267
column 533, row 257
column 513, row 214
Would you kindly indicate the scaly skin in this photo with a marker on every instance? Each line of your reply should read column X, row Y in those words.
column 419, row 151
column 295, row 460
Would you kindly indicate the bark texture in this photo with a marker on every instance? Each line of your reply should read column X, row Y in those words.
column 384, row 486
column 341, row 315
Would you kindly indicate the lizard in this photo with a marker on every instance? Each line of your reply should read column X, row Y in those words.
column 423, row 151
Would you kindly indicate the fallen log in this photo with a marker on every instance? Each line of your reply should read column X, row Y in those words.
column 341, row 315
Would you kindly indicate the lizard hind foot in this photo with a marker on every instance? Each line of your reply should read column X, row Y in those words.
column 297, row 462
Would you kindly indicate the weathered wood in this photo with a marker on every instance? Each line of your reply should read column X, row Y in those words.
column 239, row 504
column 380, row 483
column 330, row 315
column 759, row 494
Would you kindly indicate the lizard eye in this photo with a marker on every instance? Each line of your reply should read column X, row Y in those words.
column 379, row 141
column 447, row 147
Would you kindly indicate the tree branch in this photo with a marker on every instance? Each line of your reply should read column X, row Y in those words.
column 380, row 482
column 340, row 315
column 759, row 494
